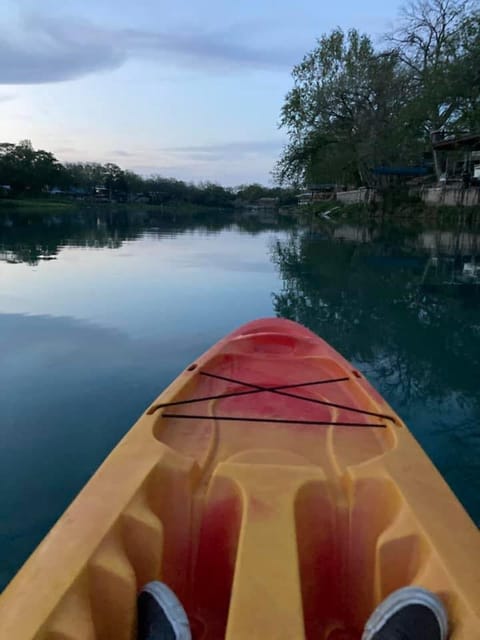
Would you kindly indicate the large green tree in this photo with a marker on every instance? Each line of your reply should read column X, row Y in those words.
column 85, row 175
column 28, row 170
column 353, row 107
column 341, row 112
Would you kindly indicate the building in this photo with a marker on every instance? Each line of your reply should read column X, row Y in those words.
column 457, row 158
column 457, row 168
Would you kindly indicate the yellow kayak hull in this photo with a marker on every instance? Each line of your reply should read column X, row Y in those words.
column 273, row 489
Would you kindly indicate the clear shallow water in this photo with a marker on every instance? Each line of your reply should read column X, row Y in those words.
column 97, row 315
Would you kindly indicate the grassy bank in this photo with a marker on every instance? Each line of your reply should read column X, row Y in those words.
column 43, row 205
column 35, row 204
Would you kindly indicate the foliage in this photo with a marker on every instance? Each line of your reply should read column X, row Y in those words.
column 249, row 193
column 343, row 103
column 29, row 172
column 353, row 107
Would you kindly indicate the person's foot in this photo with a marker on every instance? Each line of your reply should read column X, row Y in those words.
column 160, row 614
column 411, row 613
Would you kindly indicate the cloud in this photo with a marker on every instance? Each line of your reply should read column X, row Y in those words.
column 211, row 160
column 122, row 153
column 229, row 148
column 48, row 50
column 41, row 49
column 231, row 163
column 232, row 174
column 210, row 49
column 65, row 150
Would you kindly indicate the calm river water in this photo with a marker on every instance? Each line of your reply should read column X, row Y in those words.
column 98, row 314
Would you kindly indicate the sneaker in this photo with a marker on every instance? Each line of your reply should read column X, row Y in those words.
column 160, row 614
column 411, row 613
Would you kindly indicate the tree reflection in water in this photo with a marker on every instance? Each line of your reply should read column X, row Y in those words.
column 396, row 303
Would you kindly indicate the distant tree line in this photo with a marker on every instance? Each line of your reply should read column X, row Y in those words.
column 25, row 171
column 354, row 106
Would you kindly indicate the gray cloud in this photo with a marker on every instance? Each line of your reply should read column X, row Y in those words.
column 218, row 50
column 253, row 146
column 122, row 153
column 232, row 163
column 229, row 175
column 46, row 49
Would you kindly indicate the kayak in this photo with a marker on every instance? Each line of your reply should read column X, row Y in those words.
column 273, row 489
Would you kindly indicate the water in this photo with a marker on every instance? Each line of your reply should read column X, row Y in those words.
column 99, row 313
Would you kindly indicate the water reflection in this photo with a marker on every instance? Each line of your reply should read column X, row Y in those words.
column 37, row 236
column 399, row 306
column 31, row 237
column 70, row 390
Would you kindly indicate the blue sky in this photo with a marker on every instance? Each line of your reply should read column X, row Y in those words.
column 187, row 88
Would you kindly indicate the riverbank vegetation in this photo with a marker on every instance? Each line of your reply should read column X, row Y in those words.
column 28, row 175
column 355, row 106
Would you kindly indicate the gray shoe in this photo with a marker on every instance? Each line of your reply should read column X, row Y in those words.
column 160, row 614
column 411, row 613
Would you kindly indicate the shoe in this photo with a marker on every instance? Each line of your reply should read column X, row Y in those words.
column 160, row 614
column 411, row 613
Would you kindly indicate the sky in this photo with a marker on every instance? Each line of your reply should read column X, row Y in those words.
column 190, row 89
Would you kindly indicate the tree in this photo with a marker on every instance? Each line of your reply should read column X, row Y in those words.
column 339, row 114
column 134, row 182
column 46, row 171
column 27, row 170
column 85, row 175
column 433, row 40
column 465, row 75
column 6, row 149
column 211, row 194
column 114, row 178
column 251, row 192
column 352, row 107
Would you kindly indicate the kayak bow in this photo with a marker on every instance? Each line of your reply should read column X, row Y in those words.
column 273, row 489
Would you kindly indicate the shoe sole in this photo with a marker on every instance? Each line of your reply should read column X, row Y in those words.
column 172, row 608
column 401, row 598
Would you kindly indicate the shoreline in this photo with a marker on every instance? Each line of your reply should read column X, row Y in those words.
column 327, row 211
column 43, row 205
